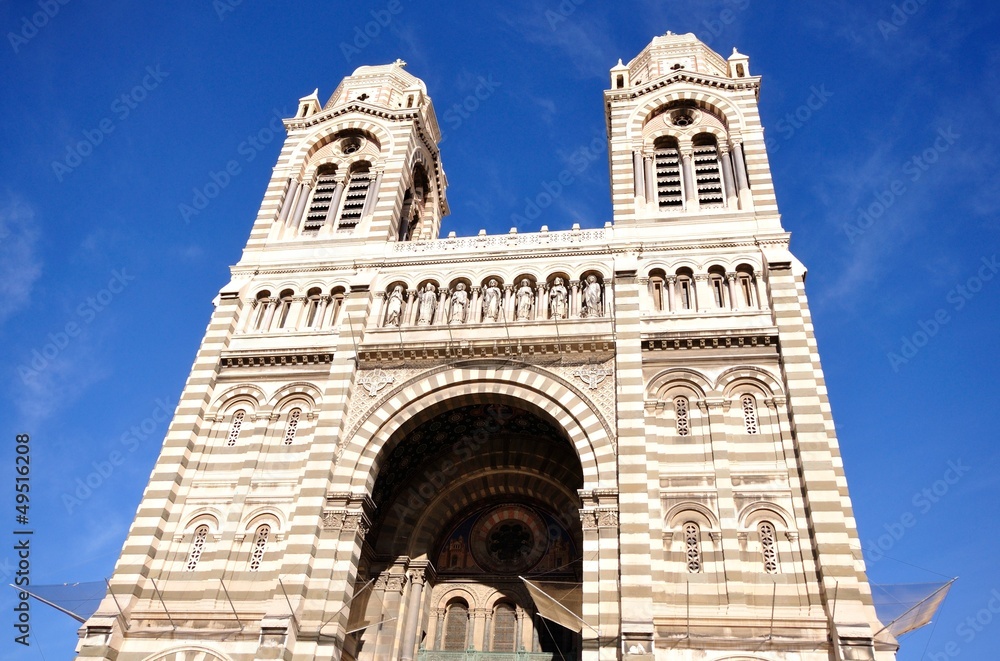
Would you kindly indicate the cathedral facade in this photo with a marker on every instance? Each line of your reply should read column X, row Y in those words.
column 610, row 443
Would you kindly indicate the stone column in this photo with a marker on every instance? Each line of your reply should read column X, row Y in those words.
column 742, row 182
column 731, row 285
column 759, row 292
column 508, row 297
column 372, row 196
column 288, row 202
column 249, row 312
column 727, row 177
column 411, row 309
column 475, row 306
column 441, row 314
column 296, row 220
column 649, row 167
column 638, row 178
column 478, row 629
column 379, row 307
column 271, row 303
column 671, row 285
column 331, row 213
column 690, row 186
column 324, row 302
column 438, row 626
column 574, row 299
column 409, row 641
column 541, row 309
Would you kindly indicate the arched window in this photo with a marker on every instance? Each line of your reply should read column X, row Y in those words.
column 692, row 547
column 658, row 290
column 708, row 173
column 745, row 288
column 322, row 199
column 313, row 301
column 504, row 628
column 260, row 314
column 717, row 285
column 355, row 197
column 236, row 427
column 668, row 174
column 197, row 546
column 284, row 308
column 768, row 547
column 292, row 426
column 681, row 415
column 749, row 413
column 685, row 290
column 456, row 627
column 336, row 304
column 259, row 547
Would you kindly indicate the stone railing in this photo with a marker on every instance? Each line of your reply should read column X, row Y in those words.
column 471, row 655
column 505, row 241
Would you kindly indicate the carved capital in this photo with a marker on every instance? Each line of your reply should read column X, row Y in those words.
column 589, row 519
column 607, row 518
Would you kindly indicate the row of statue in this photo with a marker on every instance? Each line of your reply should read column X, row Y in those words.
column 492, row 303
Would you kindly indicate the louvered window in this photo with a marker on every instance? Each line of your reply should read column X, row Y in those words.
column 319, row 208
column 718, row 285
column 197, row 546
column 504, row 628
column 685, row 292
column 668, row 177
column 768, row 547
column 354, row 201
column 708, row 173
column 745, row 283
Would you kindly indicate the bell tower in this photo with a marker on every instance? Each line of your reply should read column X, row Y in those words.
column 365, row 167
column 686, row 143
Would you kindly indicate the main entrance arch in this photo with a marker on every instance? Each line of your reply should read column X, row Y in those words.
column 472, row 483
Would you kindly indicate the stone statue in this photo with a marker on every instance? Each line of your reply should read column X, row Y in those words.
column 592, row 297
column 557, row 299
column 428, row 303
column 394, row 310
column 459, row 304
column 525, row 299
column 492, row 299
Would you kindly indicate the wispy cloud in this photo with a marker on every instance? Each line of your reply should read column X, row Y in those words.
column 582, row 37
column 20, row 265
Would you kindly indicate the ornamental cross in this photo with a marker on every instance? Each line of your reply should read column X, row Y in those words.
column 592, row 375
column 375, row 381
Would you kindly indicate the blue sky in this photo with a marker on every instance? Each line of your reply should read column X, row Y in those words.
column 884, row 148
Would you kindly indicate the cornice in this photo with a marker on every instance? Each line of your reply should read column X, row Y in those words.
column 684, row 76
column 676, row 342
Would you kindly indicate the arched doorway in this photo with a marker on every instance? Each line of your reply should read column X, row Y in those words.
column 473, row 495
